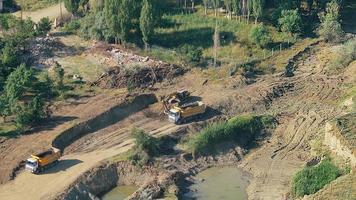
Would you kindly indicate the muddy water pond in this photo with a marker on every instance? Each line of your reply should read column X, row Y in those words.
column 223, row 183
column 120, row 192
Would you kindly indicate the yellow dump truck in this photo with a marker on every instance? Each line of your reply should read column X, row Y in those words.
column 37, row 163
column 183, row 113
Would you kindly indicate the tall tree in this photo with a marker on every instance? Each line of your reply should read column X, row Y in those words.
column 249, row 9
column 216, row 39
column 206, row 4
column 125, row 17
column 111, row 10
column 216, row 5
column 257, row 6
column 228, row 5
column 72, row 6
column 330, row 27
column 147, row 22
column 236, row 7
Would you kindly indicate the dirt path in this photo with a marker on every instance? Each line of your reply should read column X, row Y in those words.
column 15, row 150
column 82, row 155
column 52, row 12
column 56, row 179
column 303, row 112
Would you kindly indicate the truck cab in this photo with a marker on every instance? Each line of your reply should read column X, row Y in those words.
column 31, row 165
column 174, row 116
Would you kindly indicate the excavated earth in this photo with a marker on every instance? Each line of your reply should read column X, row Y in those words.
column 302, row 104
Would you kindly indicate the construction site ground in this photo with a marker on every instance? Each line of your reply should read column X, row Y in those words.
column 302, row 104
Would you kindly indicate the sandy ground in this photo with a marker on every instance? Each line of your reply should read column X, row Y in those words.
column 302, row 114
column 56, row 179
column 52, row 12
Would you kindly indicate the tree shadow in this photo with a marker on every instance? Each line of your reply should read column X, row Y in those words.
column 51, row 123
column 62, row 165
column 200, row 37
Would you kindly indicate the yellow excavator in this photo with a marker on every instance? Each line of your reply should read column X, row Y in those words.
column 39, row 162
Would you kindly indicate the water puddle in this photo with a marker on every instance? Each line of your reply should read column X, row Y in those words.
column 120, row 192
column 227, row 183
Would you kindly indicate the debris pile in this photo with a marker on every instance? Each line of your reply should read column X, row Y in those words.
column 41, row 49
column 137, row 76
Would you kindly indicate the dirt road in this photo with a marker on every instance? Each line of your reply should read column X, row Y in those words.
column 56, row 179
column 52, row 12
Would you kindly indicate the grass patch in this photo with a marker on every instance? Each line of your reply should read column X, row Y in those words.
column 32, row 5
column 8, row 130
column 197, row 30
column 311, row 179
column 240, row 129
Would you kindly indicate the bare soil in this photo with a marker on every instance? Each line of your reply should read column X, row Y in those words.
column 302, row 104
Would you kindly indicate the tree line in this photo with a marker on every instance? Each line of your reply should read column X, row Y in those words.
column 118, row 19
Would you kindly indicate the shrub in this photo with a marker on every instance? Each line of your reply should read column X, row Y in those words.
column 259, row 36
column 71, row 27
column 311, row 179
column 330, row 27
column 290, row 22
column 191, row 53
column 145, row 148
column 345, row 55
column 44, row 26
column 238, row 129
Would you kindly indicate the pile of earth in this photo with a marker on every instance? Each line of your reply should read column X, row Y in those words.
column 141, row 76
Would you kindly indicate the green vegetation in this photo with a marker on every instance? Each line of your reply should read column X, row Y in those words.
column 241, row 129
column 259, row 36
column 44, row 26
column 145, row 148
column 31, row 5
column 311, row 179
column 290, row 22
column 330, row 27
column 344, row 55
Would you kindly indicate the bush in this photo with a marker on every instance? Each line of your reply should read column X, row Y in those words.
column 330, row 27
column 191, row 53
column 238, row 129
column 44, row 26
column 290, row 22
column 259, row 36
column 345, row 55
column 71, row 27
column 145, row 148
column 311, row 179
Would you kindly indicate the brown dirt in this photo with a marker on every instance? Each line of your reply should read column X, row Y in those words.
column 302, row 103
column 15, row 150
column 302, row 112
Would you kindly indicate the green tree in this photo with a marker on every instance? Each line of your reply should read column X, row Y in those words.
column 58, row 77
column 72, row 6
column 330, row 27
column 17, row 83
column 259, row 36
column 236, row 7
column 257, row 7
column 111, row 10
column 125, row 17
column 290, row 22
column 147, row 22
column 29, row 114
column 44, row 26
column 4, row 108
column 216, row 5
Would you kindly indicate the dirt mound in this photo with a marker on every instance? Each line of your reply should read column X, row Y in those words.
column 138, row 76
